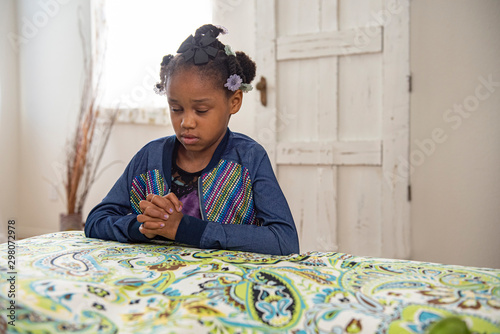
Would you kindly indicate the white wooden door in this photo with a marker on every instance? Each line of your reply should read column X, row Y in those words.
column 336, row 123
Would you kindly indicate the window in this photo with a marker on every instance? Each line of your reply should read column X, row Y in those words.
column 139, row 34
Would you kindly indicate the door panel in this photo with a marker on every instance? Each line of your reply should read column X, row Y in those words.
column 311, row 194
column 359, row 206
column 337, row 119
column 360, row 97
column 307, row 98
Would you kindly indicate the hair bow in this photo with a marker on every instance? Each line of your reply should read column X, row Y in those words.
column 199, row 51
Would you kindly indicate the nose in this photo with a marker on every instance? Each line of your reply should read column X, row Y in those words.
column 188, row 120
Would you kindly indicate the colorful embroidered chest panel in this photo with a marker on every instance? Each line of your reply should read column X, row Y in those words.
column 227, row 194
column 148, row 183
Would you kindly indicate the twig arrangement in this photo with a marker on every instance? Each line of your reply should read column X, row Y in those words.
column 93, row 128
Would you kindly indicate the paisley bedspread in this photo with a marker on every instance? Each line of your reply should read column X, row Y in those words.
column 66, row 283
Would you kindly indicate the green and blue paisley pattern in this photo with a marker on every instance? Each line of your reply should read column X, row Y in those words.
column 68, row 283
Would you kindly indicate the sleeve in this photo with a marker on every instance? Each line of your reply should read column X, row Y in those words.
column 113, row 219
column 277, row 234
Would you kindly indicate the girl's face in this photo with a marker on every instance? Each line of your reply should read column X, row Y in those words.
column 199, row 112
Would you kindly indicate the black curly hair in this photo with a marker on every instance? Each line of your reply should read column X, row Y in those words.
column 218, row 68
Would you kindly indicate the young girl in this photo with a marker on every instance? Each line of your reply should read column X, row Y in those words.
column 206, row 186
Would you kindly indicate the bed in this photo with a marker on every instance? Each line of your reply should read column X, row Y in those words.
column 64, row 282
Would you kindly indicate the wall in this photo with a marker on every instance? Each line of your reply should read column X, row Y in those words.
column 50, row 61
column 9, row 115
column 455, row 137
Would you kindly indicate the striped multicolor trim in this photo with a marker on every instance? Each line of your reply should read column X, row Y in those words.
column 227, row 193
column 148, row 183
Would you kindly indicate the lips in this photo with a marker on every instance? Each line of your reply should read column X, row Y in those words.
column 189, row 139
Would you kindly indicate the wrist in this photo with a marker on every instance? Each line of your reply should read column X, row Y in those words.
column 134, row 232
column 190, row 230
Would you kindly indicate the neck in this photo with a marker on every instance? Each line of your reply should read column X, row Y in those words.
column 195, row 161
column 192, row 162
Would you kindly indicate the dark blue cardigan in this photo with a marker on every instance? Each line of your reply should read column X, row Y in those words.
column 241, row 202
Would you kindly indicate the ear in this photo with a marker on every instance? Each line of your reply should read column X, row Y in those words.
column 235, row 101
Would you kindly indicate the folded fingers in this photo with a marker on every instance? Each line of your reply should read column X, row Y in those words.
column 152, row 210
column 161, row 202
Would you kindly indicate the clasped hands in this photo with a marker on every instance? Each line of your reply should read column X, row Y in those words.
column 160, row 216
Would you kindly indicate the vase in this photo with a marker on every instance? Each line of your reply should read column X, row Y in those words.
column 70, row 222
